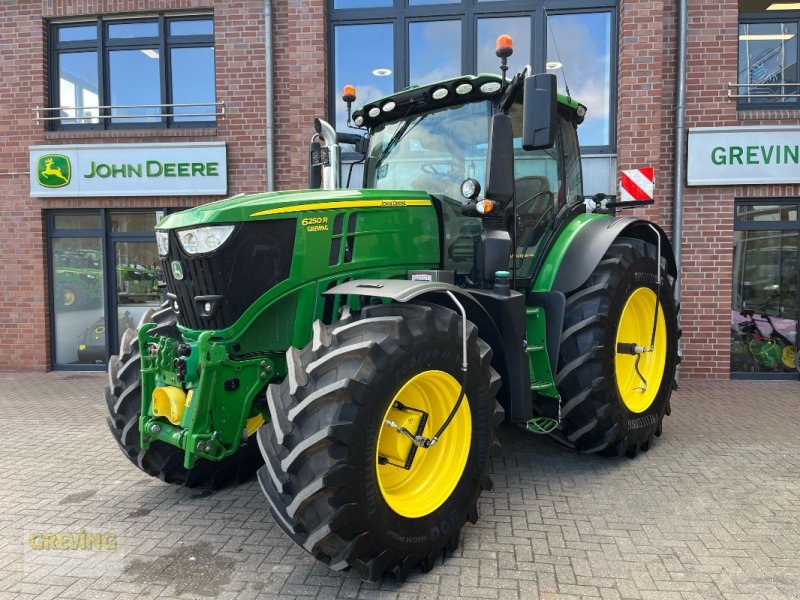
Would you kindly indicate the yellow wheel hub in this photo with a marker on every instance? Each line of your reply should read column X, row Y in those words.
column 636, row 327
column 434, row 471
column 69, row 298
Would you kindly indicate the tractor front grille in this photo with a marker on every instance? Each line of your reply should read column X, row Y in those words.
column 256, row 257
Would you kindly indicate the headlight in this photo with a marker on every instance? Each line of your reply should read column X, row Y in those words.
column 162, row 239
column 204, row 239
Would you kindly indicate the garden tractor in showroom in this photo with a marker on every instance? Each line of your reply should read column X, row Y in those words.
column 359, row 347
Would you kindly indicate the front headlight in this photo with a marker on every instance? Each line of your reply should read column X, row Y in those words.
column 162, row 239
column 204, row 239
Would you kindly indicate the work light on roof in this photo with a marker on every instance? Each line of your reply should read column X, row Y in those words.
column 389, row 106
column 440, row 93
column 463, row 88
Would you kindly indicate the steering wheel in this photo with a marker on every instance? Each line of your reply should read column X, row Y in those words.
column 547, row 193
column 430, row 169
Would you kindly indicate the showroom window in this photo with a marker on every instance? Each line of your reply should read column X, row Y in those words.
column 766, row 285
column 383, row 46
column 148, row 72
column 769, row 55
column 104, row 274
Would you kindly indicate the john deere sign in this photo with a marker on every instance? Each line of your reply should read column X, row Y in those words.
column 743, row 155
column 197, row 169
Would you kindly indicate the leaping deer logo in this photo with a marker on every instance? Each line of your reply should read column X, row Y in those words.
column 54, row 170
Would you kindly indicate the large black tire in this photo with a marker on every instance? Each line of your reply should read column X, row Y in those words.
column 320, row 446
column 123, row 398
column 594, row 416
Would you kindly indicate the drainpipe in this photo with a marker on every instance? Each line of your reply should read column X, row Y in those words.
column 679, row 171
column 270, row 84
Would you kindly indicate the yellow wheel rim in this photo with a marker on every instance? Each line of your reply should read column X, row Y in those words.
column 789, row 357
column 435, row 471
column 636, row 327
column 69, row 297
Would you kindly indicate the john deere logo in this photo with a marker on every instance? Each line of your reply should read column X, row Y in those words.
column 177, row 269
column 54, row 170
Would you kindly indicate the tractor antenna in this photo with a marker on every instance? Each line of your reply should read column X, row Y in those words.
column 503, row 49
column 559, row 64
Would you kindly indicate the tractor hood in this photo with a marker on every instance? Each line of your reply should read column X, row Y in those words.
column 281, row 204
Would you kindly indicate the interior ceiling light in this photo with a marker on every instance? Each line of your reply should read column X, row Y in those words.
column 761, row 37
column 784, row 6
column 150, row 52
column 382, row 72
column 553, row 64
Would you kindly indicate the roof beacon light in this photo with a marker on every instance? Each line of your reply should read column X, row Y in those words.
column 349, row 96
column 503, row 49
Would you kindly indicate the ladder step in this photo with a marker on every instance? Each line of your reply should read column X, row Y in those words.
column 540, row 385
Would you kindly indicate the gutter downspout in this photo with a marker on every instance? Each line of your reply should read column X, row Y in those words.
column 270, row 96
column 679, row 170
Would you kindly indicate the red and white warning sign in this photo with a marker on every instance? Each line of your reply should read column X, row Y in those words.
column 636, row 184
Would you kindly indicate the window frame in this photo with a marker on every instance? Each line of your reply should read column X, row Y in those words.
column 108, row 239
column 469, row 11
column 102, row 45
column 767, row 17
column 744, row 225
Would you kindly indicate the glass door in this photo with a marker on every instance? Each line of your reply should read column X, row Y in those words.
column 766, row 283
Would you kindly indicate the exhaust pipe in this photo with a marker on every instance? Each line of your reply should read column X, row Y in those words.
column 330, row 171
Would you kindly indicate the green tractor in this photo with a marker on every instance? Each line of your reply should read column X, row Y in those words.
column 361, row 346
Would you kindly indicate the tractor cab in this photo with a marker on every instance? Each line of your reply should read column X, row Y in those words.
column 464, row 142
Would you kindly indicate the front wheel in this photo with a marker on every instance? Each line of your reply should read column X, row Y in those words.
column 342, row 482
column 616, row 376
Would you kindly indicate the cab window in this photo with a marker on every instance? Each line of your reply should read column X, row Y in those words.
column 539, row 194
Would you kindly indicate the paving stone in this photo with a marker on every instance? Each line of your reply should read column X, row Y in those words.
column 711, row 511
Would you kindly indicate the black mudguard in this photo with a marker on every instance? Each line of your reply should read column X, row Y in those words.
column 588, row 248
column 500, row 321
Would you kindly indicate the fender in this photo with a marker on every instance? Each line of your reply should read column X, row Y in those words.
column 579, row 250
column 502, row 326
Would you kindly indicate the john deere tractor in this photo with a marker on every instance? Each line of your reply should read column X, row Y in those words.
column 359, row 347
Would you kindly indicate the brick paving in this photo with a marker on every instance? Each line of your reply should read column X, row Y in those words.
column 712, row 511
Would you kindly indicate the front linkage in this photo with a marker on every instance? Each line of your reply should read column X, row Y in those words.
column 202, row 423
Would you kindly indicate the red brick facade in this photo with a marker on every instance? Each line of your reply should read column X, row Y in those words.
column 645, row 136
column 299, row 39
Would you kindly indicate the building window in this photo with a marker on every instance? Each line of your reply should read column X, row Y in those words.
column 769, row 56
column 766, row 285
column 104, row 274
column 383, row 46
column 148, row 72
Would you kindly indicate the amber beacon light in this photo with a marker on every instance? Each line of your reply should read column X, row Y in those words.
column 349, row 94
column 504, row 47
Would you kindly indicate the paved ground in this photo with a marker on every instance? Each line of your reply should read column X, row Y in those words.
column 712, row 511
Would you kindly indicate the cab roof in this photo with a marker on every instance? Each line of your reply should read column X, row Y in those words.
column 450, row 92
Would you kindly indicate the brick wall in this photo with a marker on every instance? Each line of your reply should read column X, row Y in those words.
column 646, row 86
column 300, row 74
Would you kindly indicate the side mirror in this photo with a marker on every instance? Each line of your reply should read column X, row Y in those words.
column 539, row 113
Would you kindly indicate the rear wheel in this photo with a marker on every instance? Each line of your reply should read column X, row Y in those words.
column 614, row 398
column 342, row 482
column 123, row 396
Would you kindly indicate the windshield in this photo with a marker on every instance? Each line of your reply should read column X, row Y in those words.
column 432, row 152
